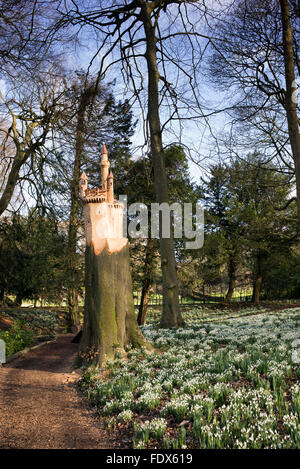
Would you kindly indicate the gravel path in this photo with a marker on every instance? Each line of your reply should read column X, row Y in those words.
column 40, row 406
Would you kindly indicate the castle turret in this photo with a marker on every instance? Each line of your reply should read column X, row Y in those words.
column 104, row 167
column 103, row 215
column 109, row 316
column 110, row 188
column 83, row 184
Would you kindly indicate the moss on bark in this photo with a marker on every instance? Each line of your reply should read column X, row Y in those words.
column 109, row 318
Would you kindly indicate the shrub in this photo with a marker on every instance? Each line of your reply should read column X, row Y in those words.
column 17, row 338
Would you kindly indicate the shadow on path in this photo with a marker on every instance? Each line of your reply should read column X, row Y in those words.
column 40, row 406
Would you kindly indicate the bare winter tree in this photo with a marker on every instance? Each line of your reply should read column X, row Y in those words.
column 28, row 114
column 31, row 71
column 86, row 95
column 290, row 102
column 158, row 48
column 25, row 40
column 255, row 60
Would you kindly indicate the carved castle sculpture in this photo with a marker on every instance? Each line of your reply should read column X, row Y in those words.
column 106, row 193
column 103, row 214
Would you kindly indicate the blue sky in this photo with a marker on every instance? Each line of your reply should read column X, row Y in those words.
column 195, row 134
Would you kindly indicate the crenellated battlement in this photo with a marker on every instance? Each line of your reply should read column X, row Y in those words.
column 97, row 195
column 103, row 214
column 94, row 195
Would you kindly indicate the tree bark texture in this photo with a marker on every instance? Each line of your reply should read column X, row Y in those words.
column 147, row 282
column 143, row 307
column 171, row 316
column 74, row 317
column 290, row 99
column 258, row 278
column 109, row 323
column 232, row 268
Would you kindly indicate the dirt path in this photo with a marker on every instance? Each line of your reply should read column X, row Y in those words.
column 40, row 406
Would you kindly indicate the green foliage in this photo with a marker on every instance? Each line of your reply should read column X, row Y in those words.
column 17, row 338
column 27, row 324
column 42, row 322
column 139, row 187
column 244, row 224
column 32, row 252
column 282, row 273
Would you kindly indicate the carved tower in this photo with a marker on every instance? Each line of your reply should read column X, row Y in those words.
column 103, row 214
column 109, row 317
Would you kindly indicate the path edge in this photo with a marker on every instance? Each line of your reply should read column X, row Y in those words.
column 25, row 351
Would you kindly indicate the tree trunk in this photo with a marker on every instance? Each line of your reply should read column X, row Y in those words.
column 171, row 316
column 74, row 317
column 2, row 291
column 256, row 289
column 258, row 278
column 290, row 98
column 18, row 300
column 24, row 149
column 12, row 180
column 147, row 281
column 109, row 320
column 141, row 319
column 230, row 290
column 232, row 268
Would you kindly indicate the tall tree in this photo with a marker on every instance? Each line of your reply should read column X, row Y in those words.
column 91, row 116
column 140, row 187
column 32, row 69
column 171, row 313
column 242, row 198
column 143, row 30
column 29, row 113
column 86, row 95
column 290, row 95
column 256, row 49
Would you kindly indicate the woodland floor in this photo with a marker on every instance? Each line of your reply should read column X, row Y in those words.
column 40, row 406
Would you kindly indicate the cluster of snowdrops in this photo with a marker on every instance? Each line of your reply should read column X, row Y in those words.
column 225, row 380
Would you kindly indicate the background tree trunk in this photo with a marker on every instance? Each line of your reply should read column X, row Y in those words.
column 256, row 289
column 143, row 307
column 171, row 316
column 24, row 150
column 74, row 317
column 109, row 323
column 232, row 268
column 18, row 300
column 147, row 281
column 258, row 278
column 290, row 98
column 2, row 291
